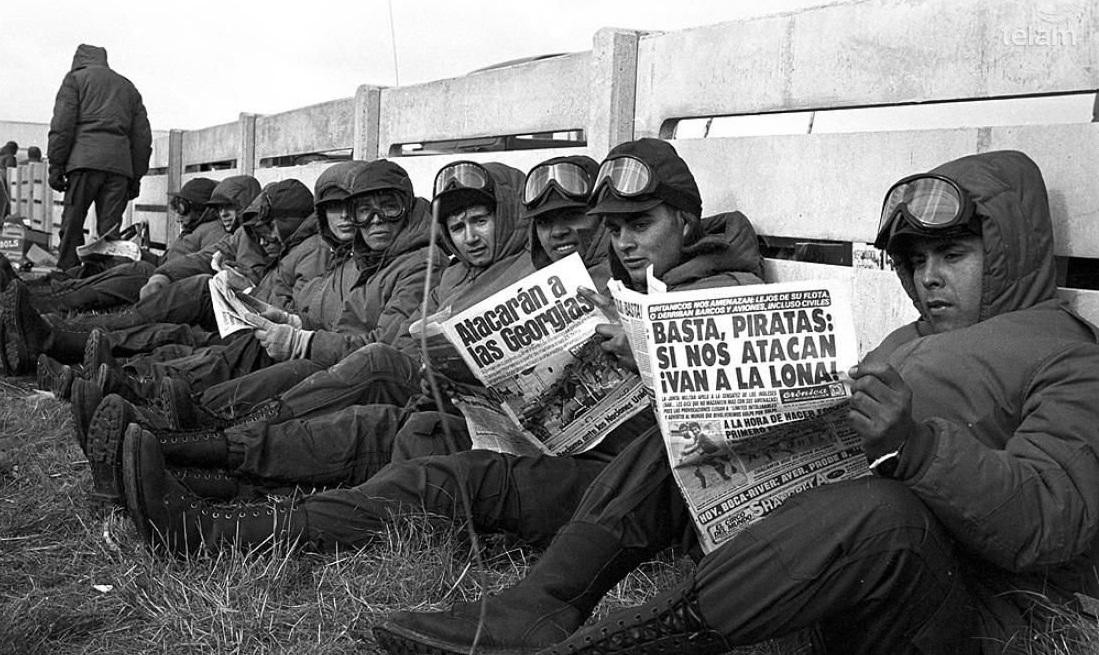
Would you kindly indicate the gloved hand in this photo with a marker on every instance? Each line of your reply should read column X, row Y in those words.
column 277, row 315
column 157, row 282
column 133, row 190
column 58, row 181
column 282, row 342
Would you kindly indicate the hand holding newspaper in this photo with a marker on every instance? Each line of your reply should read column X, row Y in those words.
column 548, row 386
column 232, row 306
column 750, row 393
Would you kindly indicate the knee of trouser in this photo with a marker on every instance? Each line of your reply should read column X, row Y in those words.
column 370, row 361
column 423, row 434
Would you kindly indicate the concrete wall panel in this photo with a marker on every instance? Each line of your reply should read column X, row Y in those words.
column 316, row 128
column 210, row 144
column 540, row 96
column 867, row 53
column 830, row 186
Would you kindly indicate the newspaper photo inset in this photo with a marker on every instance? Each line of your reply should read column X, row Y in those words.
column 750, row 390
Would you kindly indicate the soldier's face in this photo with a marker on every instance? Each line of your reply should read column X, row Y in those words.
column 654, row 237
column 338, row 217
column 228, row 217
column 948, row 275
column 564, row 232
column 473, row 231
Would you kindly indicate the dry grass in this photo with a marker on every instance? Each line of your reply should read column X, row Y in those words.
column 72, row 581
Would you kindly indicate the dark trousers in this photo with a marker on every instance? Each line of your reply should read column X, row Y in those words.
column 116, row 286
column 373, row 374
column 341, row 448
column 863, row 560
column 530, row 497
column 107, row 191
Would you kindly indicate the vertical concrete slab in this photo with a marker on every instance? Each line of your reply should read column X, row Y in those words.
column 613, row 89
column 368, row 113
column 246, row 160
column 175, row 180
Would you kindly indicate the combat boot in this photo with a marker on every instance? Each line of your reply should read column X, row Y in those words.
column 7, row 273
column 112, row 379
column 106, row 429
column 212, row 484
column 557, row 596
column 54, row 376
column 97, row 350
column 670, row 623
column 26, row 333
column 172, row 519
column 84, row 399
column 175, row 402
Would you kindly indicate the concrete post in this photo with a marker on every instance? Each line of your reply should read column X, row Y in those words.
column 175, row 181
column 368, row 113
column 246, row 159
column 614, row 89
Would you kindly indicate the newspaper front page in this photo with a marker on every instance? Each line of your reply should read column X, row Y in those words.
column 749, row 387
column 549, row 386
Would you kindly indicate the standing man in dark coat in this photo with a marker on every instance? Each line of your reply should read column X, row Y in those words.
column 99, row 147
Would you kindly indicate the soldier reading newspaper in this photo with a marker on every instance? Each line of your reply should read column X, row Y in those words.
column 749, row 392
column 549, row 387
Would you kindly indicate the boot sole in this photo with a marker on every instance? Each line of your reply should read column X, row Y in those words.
column 82, row 421
column 106, row 435
column 92, row 356
column 399, row 641
column 131, row 482
column 15, row 348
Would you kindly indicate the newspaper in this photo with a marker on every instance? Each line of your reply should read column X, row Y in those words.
column 232, row 306
column 749, row 387
column 548, row 385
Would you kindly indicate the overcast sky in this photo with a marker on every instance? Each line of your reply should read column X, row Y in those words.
column 202, row 62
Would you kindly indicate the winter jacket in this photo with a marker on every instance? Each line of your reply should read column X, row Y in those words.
column 1007, row 454
column 203, row 233
column 99, row 121
column 287, row 206
column 320, row 303
column 463, row 284
column 238, row 191
column 721, row 251
column 389, row 289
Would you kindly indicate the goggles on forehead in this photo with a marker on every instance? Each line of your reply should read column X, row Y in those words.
column 927, row 202
column 180, row 205
column 570, row 180
column 463, row 175
column 387, row 206
column 627, row 176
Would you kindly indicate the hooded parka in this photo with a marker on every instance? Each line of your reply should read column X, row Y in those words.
column 389, row 285
column 201, row 228
column 237, row 191
column 99, row 121
column 1009, row 457
column 287, row 206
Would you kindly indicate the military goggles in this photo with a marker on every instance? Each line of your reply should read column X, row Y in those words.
column 627, row 176
column 570, row 180
column 387, row 207
column 463, row 175
column 927, row 202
